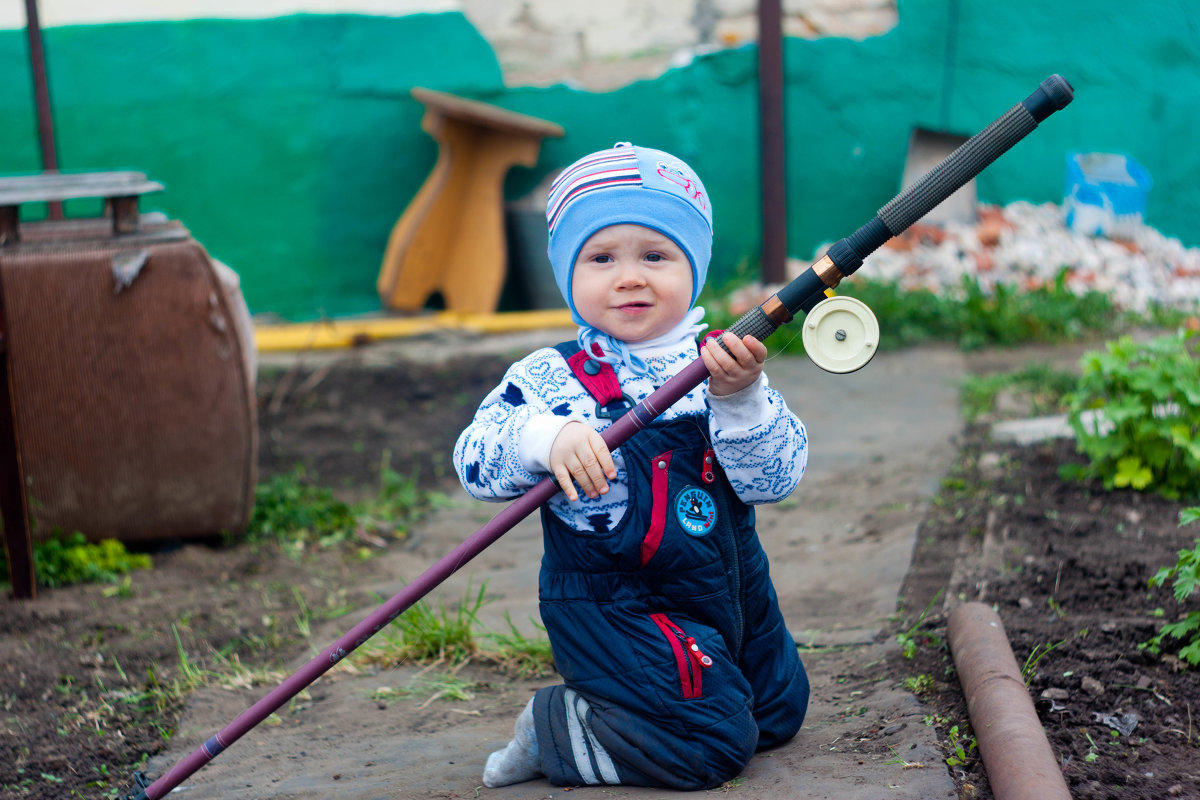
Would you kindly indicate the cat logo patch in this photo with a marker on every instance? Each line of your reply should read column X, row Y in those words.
column 696, row 511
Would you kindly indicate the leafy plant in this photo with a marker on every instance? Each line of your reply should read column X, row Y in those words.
column 961, row 747
column 436, row 634
column 63, row 561
column 1185, row 581
column 448, row 686
column 906, row 317
column 287, row 506
column 1136, row 416
column 919, row 684
column 900, row 761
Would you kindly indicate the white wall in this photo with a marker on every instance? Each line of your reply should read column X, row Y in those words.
column 597, row 45
column 603, row 45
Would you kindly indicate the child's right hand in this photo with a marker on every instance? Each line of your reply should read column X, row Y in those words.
column 579, row 455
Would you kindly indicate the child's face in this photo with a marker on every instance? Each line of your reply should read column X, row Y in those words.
column 631, row 282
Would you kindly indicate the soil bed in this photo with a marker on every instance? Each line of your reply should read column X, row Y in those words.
column 1066, row 566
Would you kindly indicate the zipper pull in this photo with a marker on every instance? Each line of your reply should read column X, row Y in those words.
column 694, row 649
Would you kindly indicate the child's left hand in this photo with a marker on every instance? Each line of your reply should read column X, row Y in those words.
column 736, row 368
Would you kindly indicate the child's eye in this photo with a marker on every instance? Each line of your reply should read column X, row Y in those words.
column 655, row 257
column 602, row 259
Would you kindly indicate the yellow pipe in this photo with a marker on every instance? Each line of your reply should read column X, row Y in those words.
column 330, row 334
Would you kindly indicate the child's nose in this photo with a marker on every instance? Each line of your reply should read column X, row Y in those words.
column 630, row 274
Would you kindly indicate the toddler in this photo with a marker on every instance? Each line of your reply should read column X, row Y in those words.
column 654, row 590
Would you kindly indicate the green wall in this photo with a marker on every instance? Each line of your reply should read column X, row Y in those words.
column 290, row 146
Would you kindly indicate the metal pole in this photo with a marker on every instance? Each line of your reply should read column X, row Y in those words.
column 41, row 92
column 772, row 141
column 1020, row 762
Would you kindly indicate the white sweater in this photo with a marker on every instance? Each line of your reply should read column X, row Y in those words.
column 760, row 444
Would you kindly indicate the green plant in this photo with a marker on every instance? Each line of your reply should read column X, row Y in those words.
column 124, row 589
column 908, row 639
column 906, row 317
column 1184, row 576
column 1039, row 651
column 63, row 561
column 961, row 747
column 1136, row 416
column 919, row 684
column 968, row 315
column 973, row 316
column 288, row 507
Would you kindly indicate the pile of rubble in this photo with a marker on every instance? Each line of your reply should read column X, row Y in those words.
column 1027, row 246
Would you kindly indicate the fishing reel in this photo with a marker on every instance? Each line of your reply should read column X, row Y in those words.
column 840, row 334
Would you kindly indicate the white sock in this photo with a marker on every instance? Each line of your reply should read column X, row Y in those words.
column 518, row 762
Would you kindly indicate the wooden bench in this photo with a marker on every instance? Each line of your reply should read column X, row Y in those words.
column 450, row 239
column 120, row 191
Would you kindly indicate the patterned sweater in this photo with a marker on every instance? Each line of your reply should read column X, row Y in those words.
column 760, row 444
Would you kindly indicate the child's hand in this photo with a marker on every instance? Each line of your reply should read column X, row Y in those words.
column 580, row 453
column 736, row 368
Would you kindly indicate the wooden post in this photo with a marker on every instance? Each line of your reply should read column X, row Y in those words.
column 18, row 540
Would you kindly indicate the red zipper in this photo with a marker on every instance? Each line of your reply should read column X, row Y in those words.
column 659, row 482
column 688, row 657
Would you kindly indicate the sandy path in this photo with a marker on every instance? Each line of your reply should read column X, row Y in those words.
column 881, row 439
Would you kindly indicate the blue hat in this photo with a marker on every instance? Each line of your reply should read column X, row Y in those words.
column 627, row 185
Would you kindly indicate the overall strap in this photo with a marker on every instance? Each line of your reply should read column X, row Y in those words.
column 599, row 378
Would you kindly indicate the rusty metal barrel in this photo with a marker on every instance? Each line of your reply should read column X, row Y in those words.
column 130, row 366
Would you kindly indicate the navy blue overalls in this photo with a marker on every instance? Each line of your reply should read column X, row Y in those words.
column 676, row 661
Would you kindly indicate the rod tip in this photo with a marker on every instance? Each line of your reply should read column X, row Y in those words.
column 1058, row 90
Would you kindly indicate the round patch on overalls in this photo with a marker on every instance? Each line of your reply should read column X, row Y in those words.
column 695, row 510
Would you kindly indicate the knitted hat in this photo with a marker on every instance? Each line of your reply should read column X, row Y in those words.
column 627, row 185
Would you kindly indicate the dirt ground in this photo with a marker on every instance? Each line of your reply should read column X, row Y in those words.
column 1066, row 568
column 81, row 683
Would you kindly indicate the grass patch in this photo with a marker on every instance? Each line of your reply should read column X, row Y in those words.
column 967, row 315
column 1035, row 390
column 296, row 513
column 517, row 654
column 429, row 633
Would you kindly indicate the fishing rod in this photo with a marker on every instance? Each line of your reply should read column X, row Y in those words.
column 842, row 339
